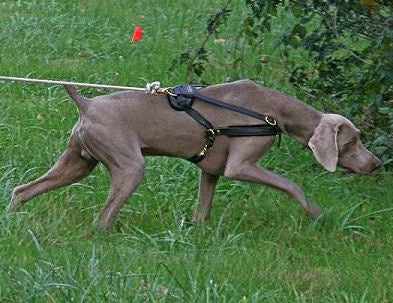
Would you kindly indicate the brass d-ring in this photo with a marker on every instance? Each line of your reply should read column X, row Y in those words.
column 167, row 91
column 211, row 132
column 271, row 120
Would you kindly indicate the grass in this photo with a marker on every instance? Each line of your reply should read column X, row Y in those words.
column 258, row 246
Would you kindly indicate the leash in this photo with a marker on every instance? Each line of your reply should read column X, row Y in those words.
column 70, row 83
column 152, row 88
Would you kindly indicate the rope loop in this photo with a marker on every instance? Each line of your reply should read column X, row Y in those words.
column 155, row 89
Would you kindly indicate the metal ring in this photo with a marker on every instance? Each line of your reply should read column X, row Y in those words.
column 271, row 120
column 211, row 132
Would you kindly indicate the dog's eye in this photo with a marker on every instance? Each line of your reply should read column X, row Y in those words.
column 350, row 142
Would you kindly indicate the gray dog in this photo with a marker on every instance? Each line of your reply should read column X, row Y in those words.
column 120, row 128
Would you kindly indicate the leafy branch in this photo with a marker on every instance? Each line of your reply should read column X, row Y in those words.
column 195, row 59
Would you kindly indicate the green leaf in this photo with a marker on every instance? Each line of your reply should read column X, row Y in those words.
column 385, row 110
column 293, row 41
column 296, row 10
column 380, row 149
column 340, row 54
column 299, row 30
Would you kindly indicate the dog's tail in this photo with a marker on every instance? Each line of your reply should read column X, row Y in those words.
column 81, row 101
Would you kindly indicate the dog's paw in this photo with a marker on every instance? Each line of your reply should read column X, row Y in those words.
column 15, row 203
column 315, row 212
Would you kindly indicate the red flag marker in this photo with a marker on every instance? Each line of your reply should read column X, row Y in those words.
column 137, row 35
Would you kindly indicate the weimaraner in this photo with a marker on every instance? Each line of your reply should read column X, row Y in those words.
column 121, row 128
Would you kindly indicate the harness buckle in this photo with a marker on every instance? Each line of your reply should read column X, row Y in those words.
column 203, row 152
column 209, row 140
column 271, row 120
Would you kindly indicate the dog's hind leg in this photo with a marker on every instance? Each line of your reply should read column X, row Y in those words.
column 207, row 186
column 70, row 168
column 126, row 174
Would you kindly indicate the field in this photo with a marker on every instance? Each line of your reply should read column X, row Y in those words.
column 258, row 246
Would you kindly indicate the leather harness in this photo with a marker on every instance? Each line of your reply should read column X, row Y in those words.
column 181, row 98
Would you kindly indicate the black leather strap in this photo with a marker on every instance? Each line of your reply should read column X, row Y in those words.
column 198, row 117
column 197, row 158
column 247, row 130
column 210, row 136
column 229, row 106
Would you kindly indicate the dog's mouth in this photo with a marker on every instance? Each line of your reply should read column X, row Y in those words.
column 348, row 169
column 361, row 172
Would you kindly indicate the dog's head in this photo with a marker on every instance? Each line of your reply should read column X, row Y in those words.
column 336, row 141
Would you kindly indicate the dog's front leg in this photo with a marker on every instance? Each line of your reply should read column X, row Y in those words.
column 207, row 186
column 252, row 172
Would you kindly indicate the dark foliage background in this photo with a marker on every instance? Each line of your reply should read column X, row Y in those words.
column 349, row 47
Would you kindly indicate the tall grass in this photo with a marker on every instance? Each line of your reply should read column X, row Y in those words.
column 258, row 245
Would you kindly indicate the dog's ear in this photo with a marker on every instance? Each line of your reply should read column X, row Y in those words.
column 324, row 146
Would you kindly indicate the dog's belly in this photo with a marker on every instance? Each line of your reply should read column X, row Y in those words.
column 184, row 144
column 216, row 158
column 186, row 141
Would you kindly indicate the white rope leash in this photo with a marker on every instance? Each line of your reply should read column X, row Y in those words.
column 152, row 88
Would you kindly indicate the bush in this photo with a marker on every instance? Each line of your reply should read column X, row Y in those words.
column 349, row 46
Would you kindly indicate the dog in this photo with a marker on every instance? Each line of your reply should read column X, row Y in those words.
column 119, row 129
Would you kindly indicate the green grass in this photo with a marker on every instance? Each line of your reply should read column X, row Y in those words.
column 258, row 246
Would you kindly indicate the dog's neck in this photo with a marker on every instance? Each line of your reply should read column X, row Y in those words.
column 294, row 117
column 301, row 127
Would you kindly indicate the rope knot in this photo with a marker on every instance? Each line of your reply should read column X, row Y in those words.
column 153, row 87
